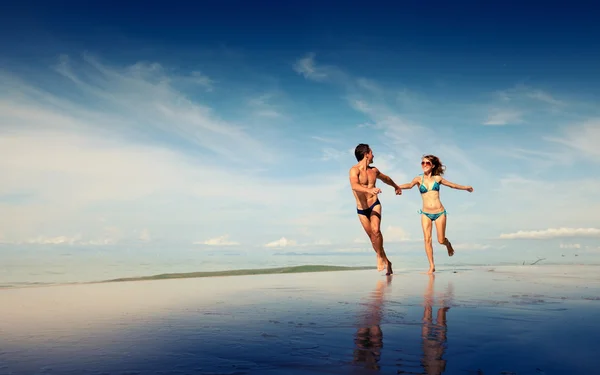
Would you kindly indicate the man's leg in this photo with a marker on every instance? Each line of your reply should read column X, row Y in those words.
column 366, row 223
column 377, row 237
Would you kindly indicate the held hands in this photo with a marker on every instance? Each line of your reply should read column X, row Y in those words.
column 469, row 189
column 398, row 190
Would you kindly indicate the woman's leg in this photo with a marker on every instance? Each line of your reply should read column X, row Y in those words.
column 440, row 228
column 426, row 224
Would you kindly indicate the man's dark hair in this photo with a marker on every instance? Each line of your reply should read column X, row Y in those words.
column 361, row 150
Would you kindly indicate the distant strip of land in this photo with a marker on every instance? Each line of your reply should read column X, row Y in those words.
column 258, row 271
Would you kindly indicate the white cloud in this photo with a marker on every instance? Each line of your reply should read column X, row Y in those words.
column 553, row 233
column 218, row 241
column 306, row 66
column 282, row 242
column 126, row 148
column 581, row 138
column 570, row 246
column 471, row 246
column 145, row 235
column 395, row 234
column 142, row 97
column 504, row 117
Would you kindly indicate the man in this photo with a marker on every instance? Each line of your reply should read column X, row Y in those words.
column 362, row 181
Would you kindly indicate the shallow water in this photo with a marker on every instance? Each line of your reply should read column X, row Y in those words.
column 507, row 320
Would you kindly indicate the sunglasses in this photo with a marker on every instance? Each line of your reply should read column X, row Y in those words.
column 425, row 163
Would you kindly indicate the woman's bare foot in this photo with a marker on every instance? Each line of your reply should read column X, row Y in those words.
column 449, row 247
column 431, row 270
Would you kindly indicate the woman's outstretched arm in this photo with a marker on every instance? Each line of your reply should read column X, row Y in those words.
column 452, row 185
column 409, row 185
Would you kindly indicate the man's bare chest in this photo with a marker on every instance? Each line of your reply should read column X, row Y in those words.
column 367, row 177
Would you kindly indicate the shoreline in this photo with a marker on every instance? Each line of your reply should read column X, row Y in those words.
column 281, row 270
column 202, row 274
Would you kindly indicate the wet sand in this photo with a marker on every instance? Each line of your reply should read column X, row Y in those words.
column 485, row 320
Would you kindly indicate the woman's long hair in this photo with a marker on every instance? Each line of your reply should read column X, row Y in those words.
column 438, row 168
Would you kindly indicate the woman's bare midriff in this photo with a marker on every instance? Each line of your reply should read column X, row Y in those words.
column 432, row 203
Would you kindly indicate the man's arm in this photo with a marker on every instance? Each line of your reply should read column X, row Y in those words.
column 409, row 185
column 386, row 179
column 452, row 185
column 356, row 186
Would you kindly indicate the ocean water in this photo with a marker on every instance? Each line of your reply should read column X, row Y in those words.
column 71, row 264
column 537, row 320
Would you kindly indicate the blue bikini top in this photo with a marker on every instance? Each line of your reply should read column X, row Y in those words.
column 423, row 189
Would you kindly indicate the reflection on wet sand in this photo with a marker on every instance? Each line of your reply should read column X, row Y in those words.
column 434, row 334
column 369, row 337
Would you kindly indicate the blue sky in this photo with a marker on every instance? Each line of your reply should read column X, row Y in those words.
column 228, row 125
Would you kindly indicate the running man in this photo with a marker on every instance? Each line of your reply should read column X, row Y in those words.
column 362, row 180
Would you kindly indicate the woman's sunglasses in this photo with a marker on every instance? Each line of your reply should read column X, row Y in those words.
column 423, row 163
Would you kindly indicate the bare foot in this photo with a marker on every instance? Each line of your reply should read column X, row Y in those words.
column 389, row 268
column 449, row 247
column 380, row 263
column 431, row 270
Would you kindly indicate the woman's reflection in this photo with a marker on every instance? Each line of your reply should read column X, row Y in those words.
column 434, row 334
column 369, row 338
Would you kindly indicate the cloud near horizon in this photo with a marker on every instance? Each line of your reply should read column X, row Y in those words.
column 553, row 233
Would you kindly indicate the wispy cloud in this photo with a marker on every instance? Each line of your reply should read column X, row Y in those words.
column 583, row 139
column 522, row 104
column 552, row 233
column 126, row 147
column 334, row 154
column 143, row 97
column 570, row 246
column 395, row 234
column 306, row 66
column 282, row 242
column 521, row 92
column 262, row 106
column 325, row 139
column 504, row 117
column 545, row 97
column 145, row 235
column 218, row 241
column 471, row 246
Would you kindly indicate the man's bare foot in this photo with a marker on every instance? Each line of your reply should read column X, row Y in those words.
column 449, row 247
column 389, row 268
column 380, row 263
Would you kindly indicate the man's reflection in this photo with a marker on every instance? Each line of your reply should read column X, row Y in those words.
column 434, row 334
column 369, row 338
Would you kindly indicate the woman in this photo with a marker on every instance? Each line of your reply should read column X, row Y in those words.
column 433, row 211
